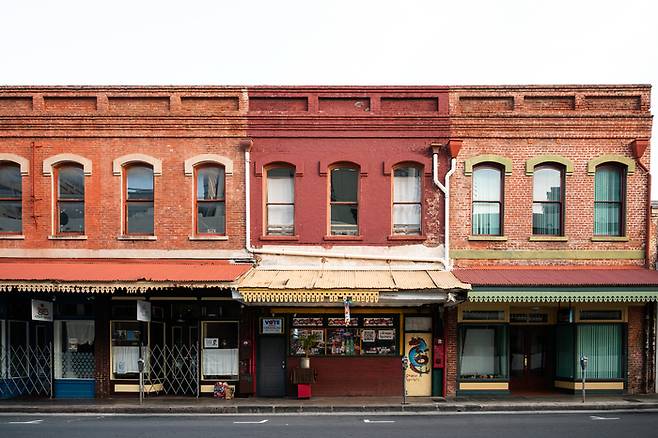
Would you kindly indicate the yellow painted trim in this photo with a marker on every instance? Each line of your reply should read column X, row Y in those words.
column 547, row 254
column 531, row 163
column 578, row 307
column 488, row 158
column 122, row 387
column 618, row 386
column 308, row 295
column 205, row 389
column 619, row 159
column 505, row 307
column 484, row 386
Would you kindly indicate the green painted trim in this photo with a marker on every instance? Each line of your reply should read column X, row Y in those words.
column 610, row 239
column 478, row 159
column 548, row 239
column 572, row 295
column 625, row 161
column 547, row 254
column 533, row 162
column 488, row 238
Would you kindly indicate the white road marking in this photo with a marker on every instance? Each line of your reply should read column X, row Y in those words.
column 594, row 417
column 251, row 422
column 26, row 422
column 365, row 420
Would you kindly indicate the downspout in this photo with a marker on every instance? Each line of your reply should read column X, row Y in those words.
column 246, row 144
column 445, row 188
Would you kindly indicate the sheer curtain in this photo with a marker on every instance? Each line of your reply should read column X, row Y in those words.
column 478, row 352
column 406, row 200
column 280, row 201
column 220, row 362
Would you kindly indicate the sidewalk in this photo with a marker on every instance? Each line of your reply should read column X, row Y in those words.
column 328, row 405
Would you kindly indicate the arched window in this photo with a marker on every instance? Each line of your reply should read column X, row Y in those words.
column 344, row 201
column 11, row 198
column 70, row 199
column 407, row 194
column 609, row 189
column 280, row 201
column 210, row 200
column 547, row 200
column 138, row 199
column 487, row 200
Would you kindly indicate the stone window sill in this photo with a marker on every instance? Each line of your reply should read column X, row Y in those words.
column 208, row 238
column 610, row 239
column 137, row 238
column 410, row 237
column 68, row 237
column 279, row 238
column 488, row 238
column 343, row 238
column 548, row 239
column 12, row 237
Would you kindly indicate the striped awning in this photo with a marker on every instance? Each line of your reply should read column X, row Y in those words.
column 554, row 296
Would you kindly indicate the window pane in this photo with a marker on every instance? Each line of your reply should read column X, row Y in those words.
column 344, row 184
column 486, row 218
column 210, row 217
column 483, row 352
column 406, row 184
column 280, row 219
column 139, row 180
column 281, row 185
column 11, row 214
column 406, row 219
column 71, row 217
column 607, row 184
column 546, row 219
column 486, row 184
column 602, row 344
column 344, row 220
column 10, row 181
column 71, row 182
column 140, row 218
column 607, row 219
column 547, row 184
column 210, row 183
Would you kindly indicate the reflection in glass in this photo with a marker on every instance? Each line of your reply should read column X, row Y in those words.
column 487, row 205
column 70, row 199
column 343, row 199
column 608, row 200
column 210, row 203
column 547, row 201
column 406, row 200
column 11, row 210
column 280, row 201
column 139, row 200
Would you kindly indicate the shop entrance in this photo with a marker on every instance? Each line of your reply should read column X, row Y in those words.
column 531, row 357
column 271, row 366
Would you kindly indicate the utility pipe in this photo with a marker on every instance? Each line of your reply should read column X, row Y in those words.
column 246, row 144
column 445, row 188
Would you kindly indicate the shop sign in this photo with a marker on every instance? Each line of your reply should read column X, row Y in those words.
column 143, row 311
column 271, row 326
column 42, row 310
column 386, row 335
column 418, row 376
column 210, row 342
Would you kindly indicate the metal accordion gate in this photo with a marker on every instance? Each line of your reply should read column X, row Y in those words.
column 172, row 370
column 26, row 371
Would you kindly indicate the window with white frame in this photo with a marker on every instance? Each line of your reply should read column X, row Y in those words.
column 407, row 195
column 280, row 201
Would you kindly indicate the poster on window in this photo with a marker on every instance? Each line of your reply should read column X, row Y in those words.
column 271, row 326
column 42, row 310
column 418, row 376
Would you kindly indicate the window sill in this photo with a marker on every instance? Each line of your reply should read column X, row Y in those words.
column 12, row 237
column 137, row 238
column 488, row 238
column 610, row 239
column 413, row 237
column 279, row 238
column 343, row 238
column 208, row 237
column 68, row 237
column 548, row 239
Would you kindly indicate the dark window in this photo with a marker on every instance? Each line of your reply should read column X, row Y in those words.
column 280, row 203
column 547, row 210
column 344, row 201
column 407, row 194
column 139, row 200
column 70, row 199
column 609, row 188
column 210, row 200
column 487, row 201
column 11, row 206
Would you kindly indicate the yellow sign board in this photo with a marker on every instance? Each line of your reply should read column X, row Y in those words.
column 418, row 375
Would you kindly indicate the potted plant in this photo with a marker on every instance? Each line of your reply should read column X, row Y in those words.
column 308, row 342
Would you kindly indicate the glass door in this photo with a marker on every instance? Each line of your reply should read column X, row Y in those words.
column 531, row 357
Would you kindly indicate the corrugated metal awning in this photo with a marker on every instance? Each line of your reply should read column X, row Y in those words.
column 575, row 296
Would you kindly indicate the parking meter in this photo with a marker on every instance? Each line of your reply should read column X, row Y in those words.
column 405, row 365
column 140, row 365
column 583, row 369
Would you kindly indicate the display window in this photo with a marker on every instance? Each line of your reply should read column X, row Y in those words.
column 483, row 352
column 219, row 353
column 74, row 349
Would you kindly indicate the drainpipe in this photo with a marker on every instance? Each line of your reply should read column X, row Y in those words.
column 445, row 188
column 246, row 144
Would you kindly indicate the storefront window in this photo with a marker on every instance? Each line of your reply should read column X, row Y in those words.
column 17, row 349
column 565, row 363
column 74, row 350
column 483, row 352
column 126, row 340
column 602, row 344
column 219, row 356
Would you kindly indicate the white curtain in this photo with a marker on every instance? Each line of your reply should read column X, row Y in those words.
column 220, row 362
column 124, row 360
column 406, row 185
column 478, row 352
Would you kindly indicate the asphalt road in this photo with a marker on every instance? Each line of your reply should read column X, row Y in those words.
column 579, row 425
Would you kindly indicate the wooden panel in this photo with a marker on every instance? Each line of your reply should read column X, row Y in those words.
column 209, row 105
column 287, row 104
column 15, row 104
column 410, row 104
column 483, row 104
column 549, row 103
column 613, row 103
column 139, row 105
column 82, row 104
column 344, row 105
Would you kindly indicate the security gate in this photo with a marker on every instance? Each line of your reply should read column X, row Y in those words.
column 172, row 370
column 26, row 371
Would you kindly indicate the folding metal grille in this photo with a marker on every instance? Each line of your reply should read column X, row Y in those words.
column 26, row 371
column 174, row 369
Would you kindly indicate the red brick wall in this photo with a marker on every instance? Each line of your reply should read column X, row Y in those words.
column 450, row 316
column 636, row 368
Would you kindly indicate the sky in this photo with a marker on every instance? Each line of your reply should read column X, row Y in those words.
column 356, row 42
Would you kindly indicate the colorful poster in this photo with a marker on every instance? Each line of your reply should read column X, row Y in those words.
column 418, row 376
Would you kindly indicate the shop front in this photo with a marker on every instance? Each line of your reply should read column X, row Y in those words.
column 361, row 324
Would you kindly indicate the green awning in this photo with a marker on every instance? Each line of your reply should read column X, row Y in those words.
column 562, row 295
